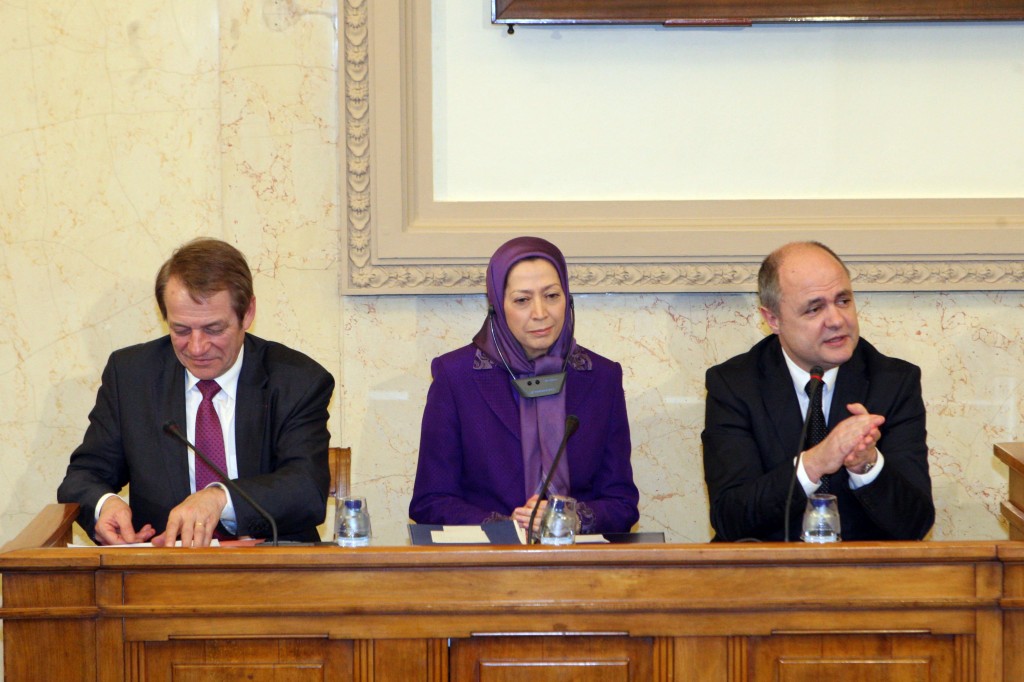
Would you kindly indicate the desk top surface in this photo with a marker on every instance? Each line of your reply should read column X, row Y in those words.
column 327, row 555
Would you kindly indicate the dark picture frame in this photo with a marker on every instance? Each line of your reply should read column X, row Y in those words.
column 671, row 13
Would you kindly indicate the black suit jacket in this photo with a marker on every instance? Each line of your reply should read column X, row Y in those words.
column 281, row 439
column 751, row 431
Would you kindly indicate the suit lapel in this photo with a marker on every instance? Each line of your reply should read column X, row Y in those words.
column 250, row 409
column 493, row 387
column 851, row 387
column 779, row 396
column 169, row 397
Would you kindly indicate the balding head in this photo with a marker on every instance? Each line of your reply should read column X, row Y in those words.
column 769, row 292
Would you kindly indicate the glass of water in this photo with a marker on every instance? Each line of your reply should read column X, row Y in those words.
column 353, row 522
column 558, row 527
column 821, row 519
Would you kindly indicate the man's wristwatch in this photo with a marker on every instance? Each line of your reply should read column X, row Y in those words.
column 866, row 468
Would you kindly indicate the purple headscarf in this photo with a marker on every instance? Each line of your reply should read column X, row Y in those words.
column 542, row 420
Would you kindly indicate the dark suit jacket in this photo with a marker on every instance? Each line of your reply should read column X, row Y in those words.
column 471, row 463
column 281, row 439
column 751, row 432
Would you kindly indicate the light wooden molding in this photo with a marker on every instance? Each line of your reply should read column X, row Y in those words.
column 399, row 240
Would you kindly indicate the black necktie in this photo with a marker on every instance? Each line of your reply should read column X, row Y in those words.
column 816, row 429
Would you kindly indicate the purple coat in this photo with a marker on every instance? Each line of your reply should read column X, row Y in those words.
column 471, row 464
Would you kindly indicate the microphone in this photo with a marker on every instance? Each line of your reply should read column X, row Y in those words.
column 816, row 384
column 572, row 423
column 171, row 428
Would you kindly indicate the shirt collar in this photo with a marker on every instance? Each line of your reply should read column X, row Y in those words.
column 228, row 381
column 801, row 377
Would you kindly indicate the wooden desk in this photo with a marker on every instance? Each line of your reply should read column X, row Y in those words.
column 854, row 611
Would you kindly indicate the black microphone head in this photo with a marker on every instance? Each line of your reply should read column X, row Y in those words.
column 817, row 372
column 572, row 422
column 171, row 427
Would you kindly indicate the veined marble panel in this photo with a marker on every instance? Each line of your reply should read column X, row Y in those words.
column 127, row 129
column 970, row 347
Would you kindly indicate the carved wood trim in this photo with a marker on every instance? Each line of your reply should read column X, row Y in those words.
column 738, row 653
column 363, row 663
column 664, row 659
column 437, row 660
column 135, row 661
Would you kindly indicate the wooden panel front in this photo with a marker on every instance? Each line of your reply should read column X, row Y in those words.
column 700, row 613
column 551, row 659
column 288, row 660
column 854, row 658
column 259, row 660
column 72, row 643
column 560, row 588
column 59, row 609
column 704, row 659
column 409, row 659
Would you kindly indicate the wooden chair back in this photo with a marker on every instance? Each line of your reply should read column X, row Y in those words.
column 340, row 460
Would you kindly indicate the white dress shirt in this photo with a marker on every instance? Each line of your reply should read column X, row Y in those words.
column 800, row 379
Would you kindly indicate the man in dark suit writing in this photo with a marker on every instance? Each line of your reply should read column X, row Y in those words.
column 265, row 409
column 874, row 457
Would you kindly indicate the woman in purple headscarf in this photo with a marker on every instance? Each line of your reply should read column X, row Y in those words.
column 496, row 410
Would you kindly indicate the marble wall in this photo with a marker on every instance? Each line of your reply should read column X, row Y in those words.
column 129, row 127
column 969, row 346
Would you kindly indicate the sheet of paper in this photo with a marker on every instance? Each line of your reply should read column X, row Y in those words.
column 459, row 535
column 590, row 539
column 214, row 543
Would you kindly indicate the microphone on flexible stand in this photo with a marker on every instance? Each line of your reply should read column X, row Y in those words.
column 171, row 428
column 571, row 424
column 816, row 384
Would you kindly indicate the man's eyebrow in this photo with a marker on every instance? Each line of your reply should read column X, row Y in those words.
column 182, row 325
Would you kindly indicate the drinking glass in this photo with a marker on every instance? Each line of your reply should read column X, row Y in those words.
column 558, row 527
column 821, row 519
column 353, row 522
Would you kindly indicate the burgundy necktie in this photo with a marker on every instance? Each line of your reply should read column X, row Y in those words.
column 209, row 437
column 816, row 428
